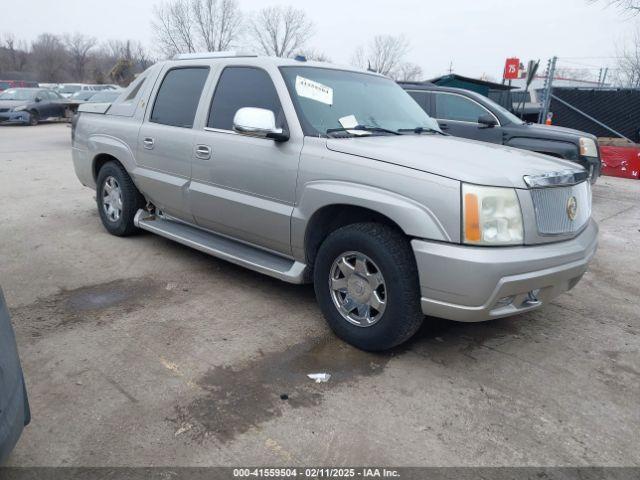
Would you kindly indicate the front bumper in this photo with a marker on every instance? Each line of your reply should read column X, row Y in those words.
column 14, row 117
column 473, row 284
column 593, row 165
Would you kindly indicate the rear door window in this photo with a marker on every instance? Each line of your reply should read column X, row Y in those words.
column 178, row 97
column 458, row 108
column 241, row 87
column 422, row 98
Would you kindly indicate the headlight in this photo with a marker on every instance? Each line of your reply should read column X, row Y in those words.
column 20, row 109
column 491, row 216
column 588, row 147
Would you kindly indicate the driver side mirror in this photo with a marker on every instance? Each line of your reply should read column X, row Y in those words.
column 38, row 99
column 487, row 121
column 258, row 122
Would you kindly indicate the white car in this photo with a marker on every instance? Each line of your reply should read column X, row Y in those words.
column 68, row 89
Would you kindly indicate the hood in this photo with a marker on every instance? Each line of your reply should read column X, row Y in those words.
column 12, row 103
column 452, row 157
column 554, row 132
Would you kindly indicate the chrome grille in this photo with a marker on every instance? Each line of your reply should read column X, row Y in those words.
column 552, row 204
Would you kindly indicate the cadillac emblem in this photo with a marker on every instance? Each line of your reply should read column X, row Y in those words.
column 572, row 208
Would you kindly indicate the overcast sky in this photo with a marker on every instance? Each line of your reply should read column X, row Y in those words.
column 476, row 35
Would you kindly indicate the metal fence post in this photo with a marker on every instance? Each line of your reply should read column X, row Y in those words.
column 548, row 85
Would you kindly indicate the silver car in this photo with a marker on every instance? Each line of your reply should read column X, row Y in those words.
column 311, row 172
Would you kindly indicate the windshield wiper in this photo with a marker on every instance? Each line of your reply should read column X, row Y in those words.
column 364, row 128
column 419, row 130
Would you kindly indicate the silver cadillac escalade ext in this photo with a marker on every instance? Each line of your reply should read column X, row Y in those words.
column 310, row 172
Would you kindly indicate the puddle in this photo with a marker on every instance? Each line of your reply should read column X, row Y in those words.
column 240, row 398
column 94, row 303
column 102, row 296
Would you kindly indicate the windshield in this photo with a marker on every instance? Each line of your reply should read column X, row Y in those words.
column 17, row 94
column 335, row 99
column 505, row 113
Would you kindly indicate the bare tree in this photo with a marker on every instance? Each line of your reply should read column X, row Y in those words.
column 628, row 71
column 384, row 54
column 79, row 46
column 632, row 6
column 280, row 31
column 174, row 27
column 128, row 56
column 313, row 54
column 17, row 52
column 217, row 23
column 408, row 72
column 49, row 57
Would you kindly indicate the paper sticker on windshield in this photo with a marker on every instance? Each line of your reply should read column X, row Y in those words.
column 349, row 121
column 314, row 90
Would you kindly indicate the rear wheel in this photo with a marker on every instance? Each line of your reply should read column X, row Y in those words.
column 118, row 199
column 366, row 283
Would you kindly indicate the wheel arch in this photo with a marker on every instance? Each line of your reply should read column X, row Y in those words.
column 332, row 217
column 555, row 148
column 99, row 160
column 104, row 148
column 327, row 206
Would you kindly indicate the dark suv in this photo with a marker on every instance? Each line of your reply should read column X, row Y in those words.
column 463, row 113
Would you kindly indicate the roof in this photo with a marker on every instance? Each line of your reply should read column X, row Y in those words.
column 264, row 61
column 475, row 81
column 432, row 87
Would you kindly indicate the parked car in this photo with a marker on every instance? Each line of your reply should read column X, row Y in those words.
column 29, row 106
column 6, row 84
column 68, row 89
column 468, row 114
column 82, row 95
column 310, row 172
column 107, row 86
column 15, row 413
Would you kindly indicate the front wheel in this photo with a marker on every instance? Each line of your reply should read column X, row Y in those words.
column 366, row 282
column 118, row 199
column 34, row 118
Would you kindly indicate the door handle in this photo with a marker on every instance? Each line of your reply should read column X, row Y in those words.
column 148, row 143
column 203, row 152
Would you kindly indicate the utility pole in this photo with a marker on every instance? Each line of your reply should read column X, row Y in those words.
column 548, row 85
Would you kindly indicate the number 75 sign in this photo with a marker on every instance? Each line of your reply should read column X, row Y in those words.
column 511, row 69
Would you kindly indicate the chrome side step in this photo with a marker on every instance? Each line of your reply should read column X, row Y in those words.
column 222, row 247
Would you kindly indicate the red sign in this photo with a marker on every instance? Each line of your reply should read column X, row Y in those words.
column 512, row 69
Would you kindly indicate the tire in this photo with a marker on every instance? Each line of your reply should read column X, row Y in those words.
column 34, row 118
column 119, row 219
column 382, row 250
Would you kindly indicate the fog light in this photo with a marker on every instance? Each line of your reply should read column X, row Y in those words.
column 504, row 301
column 532, row 296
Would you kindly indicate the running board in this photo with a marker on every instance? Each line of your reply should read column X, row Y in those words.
column 222, row 247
